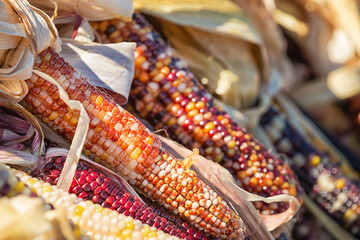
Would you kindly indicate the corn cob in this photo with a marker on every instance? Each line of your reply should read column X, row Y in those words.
column 117, row 140
column 322, row 180
column 170, row 98
column 10, row 186
column 96, row 221
column 90, row 184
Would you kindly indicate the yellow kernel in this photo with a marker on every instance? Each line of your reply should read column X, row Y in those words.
column 145, row 231
column 231, row 143
column 208, row 127
column 130, row 225
column 97, row 129
column 114, row 34
column 74, row 120
column 45, row 120
column 340, row 183
column 104, row 156
column 53, row 116
column 47, row 188
column 19, row 187
column 67, row 117
column 167, row 61
column 159, row 65
column 97, row 159
column 152, row 234
column 136, row 153
column 87, row 152
column 292, row 191
column 106, row 211
column 102, row 26
column 253, row 157
column 315, row 160
column 31, row 181
column 98, row 209
column 99, row 100
column 79, row 210
column 126, row 233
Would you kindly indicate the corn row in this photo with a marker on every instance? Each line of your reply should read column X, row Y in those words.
column 119, row 141
column 90, row 184
column 323, row 180
column 96, row 221
column 170, row 98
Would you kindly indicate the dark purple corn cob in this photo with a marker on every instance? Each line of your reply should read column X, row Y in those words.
column 322, row 179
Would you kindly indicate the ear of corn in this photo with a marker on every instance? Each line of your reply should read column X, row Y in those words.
column 10, row 186
column 96, row 221
column 170, row 98
column 324, row 181
column 91, row 184
column 119, row 141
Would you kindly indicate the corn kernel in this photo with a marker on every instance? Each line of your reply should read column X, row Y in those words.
column 19, row 187
column 79, row 210
column 53, row 116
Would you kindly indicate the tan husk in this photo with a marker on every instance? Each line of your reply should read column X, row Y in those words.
column 25, row 32
column 94, row 10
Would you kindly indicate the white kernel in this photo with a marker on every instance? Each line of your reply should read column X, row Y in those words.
column 168, row 168
column 162, row 174
column 207, row 204
column 195, row 205
column 163, row 166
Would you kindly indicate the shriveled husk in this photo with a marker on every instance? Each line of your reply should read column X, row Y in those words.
column 19, row 43
column 95, row 10
column 320, row 29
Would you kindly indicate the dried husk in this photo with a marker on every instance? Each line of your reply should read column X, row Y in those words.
column 95, row 10
column 340, row 84
column 321, row 28
column 19, row 43
column 260, row 13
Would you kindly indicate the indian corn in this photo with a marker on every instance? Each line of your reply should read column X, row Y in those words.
column 10, row 186
column 169, row 97
column 122, row 143
column 323, row 180
column 90, row 184
column 96, row 221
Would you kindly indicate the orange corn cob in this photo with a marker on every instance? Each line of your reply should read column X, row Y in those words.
column 120, row 142
column 170, row 98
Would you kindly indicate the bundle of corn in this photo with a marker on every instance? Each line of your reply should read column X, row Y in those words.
column 119, row 141
column 170, row 98
column 89, row 183
column 325, row 181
